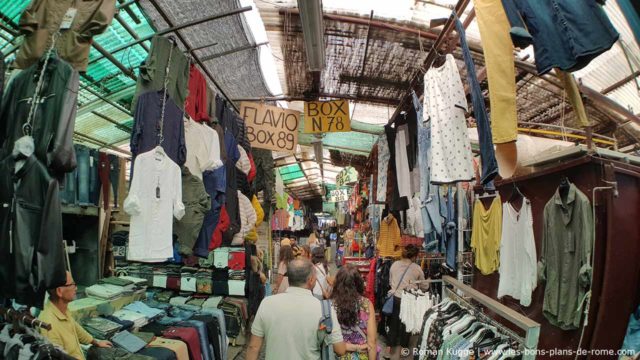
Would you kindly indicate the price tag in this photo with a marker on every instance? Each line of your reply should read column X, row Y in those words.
column 67, row 20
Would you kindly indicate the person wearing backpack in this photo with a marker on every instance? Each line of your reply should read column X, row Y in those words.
column 292, row 324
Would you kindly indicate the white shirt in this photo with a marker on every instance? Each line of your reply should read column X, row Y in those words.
column 243, row 164
column 518, row 269
column 203, row 148
column 248, row 219
column 402, row 161
column 288, row 322
column 154, row 198
column 321, row 281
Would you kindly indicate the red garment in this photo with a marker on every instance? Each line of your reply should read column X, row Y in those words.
column 369, row 292
column 223, row 225
column 237, row 260
column 196, row 103
column 253, row 171
column 355, row 247
column 189, row 336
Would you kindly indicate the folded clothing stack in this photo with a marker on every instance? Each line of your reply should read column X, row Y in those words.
column 101, row 328
column 144, row 309
column 119, row 242
column 236, row 274
column 137, row 281
column 127, row 285
column 128, row 341
column 105, row 291
column 138, row 319
column 188, row 281
column 204, row 281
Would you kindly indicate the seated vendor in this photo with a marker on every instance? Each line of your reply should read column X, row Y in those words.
column 65, row 331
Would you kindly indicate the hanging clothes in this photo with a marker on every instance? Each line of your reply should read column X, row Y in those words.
column 31, row 247
column 248, row 219
column 487, row 154
column 197, row 202
column 215, row 185
column 53, row 120
column 518, row 260
column 402, row 163
column 445, row 104
column 145, row 135
column 565, row 34
column 449, row 243
column 486, row 234
column 153, row 72
column 389, row 241
column 155, row 197
column 196, row 103
column 383, row 163
column 42, row 18
column 565, row 262
column 202, row 148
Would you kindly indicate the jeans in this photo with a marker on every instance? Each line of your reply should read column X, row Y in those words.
column 450, row 231
column 114, row 176
column 498, row 54
column 68, row 194
column 94, row 177
column 383, row 164
column 103, row 172
column 205, row 347
column 487, row 155
column 565, row 34
column 83, row 159
column 632, row 339
column 219, row 314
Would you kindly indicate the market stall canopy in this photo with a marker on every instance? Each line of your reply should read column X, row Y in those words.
column 223, row 47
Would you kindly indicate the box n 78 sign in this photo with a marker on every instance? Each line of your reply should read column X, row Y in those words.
column 326, row 116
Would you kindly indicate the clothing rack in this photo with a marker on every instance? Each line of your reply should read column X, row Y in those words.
column 532, row 329
column 13, row 316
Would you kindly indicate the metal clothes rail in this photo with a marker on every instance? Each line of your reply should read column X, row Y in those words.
column 530, row 327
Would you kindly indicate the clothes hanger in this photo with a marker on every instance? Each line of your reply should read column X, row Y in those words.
column 564, row 187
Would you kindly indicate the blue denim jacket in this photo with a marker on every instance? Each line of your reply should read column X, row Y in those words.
column 566, row 34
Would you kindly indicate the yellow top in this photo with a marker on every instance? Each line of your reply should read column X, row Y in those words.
column 65, row 331
column 389, row 243
column 486, row 234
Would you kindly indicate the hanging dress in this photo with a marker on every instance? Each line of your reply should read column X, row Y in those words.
column 445, row 104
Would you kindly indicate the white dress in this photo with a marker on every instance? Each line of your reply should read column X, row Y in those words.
column 518, row 267
column 155, row 197
column 446, row 104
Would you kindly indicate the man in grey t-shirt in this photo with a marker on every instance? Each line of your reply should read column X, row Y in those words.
column 289, row 322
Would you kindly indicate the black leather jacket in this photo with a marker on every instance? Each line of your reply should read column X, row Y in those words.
column 31, row 250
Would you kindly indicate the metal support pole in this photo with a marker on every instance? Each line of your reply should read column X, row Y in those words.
column 130, row 30
column 118, row 125
column 112, row 103
column 174, row 28
column 125, row 70
column 460, row 207
column 233, row 51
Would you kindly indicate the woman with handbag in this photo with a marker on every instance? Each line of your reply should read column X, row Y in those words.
column 356, row 315
column 402, row 273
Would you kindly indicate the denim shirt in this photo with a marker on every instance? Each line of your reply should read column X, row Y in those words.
column 565, row 34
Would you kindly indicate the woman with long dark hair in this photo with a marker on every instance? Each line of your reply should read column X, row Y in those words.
column 282, row 282
column 356, row 315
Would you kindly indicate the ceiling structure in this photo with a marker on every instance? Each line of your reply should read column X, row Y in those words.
column 374, row 50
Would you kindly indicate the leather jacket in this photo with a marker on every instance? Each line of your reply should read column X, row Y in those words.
column 54, row 118
column 31, row 250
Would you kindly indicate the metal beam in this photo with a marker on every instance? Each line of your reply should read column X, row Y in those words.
column 369, row 99
column 172, row 28
column 101, row 143
column 125, row 70
column 186, row 44
column 233, row 51
column 101, row 97
column 118, row 125
column 621, row 83
column 366, row 50
column 130, row 30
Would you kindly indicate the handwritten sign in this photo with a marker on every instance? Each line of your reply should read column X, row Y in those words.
column 338, row 195
column 326, row 116
column 270, row 127
column 346, row 176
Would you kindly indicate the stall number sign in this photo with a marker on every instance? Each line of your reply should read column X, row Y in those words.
column 338, row 195
column 346, row 176
column 270, row 127
column 326, row 116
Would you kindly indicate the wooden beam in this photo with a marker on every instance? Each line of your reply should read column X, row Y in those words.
column 620, row 83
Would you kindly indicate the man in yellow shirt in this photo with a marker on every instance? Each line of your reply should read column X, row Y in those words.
column 65, row 331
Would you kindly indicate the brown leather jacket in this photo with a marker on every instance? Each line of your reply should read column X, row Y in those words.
column 43, row 18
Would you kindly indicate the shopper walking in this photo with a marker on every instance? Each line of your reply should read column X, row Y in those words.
column 288, row 323
column 356, row 315
column 305, row 252
column 402, row 273
column 282, row 282
column 322, row 288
